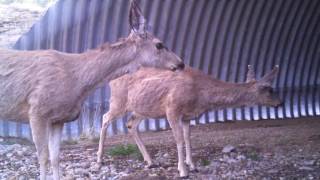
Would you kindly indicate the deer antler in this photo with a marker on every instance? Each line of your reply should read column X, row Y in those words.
column 136, row 19
column 268, row 78
column 250, row 74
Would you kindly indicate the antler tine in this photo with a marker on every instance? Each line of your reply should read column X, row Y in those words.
column 250, row 74
column 269, row 77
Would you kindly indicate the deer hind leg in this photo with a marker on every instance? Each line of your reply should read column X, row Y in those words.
column 107, row 119
column 39, row 129
column 186, row 135
column 54, row 148
column 176, row 126
column 133, row 124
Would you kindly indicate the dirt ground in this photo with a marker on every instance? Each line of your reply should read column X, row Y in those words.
column 272, row 149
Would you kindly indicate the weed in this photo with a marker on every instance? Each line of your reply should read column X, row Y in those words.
column 253, row 155
column 205, row 162
column 70, row 142
column 128, row 150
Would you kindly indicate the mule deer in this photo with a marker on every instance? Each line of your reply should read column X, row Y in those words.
column 47, row 88
column 180, row 97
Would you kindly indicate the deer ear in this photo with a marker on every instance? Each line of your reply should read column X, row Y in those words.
column 250, row 74
column 268, row 78
column 136, row 20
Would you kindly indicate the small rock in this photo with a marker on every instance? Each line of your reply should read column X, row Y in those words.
column 22, row 178
column 20, row 153
column 153, row 174
column 81, row 172
column 84, row 165
column 24, row 149
column 272, row 171
column 309, row 163
column 9, row 155
column 215, row 164
column 205, row 170
column 2, row 152
column 94, row 167
column 310, row 177
column 23, row 168
column 228, row 149
column 306, row 168
column 230, row 161
column 128, row 170
column 241, row 157
column 68, row 177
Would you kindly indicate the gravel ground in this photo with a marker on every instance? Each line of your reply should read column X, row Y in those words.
column 15, row 20
column 274, row 149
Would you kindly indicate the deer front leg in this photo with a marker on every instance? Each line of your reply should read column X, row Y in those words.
column 54, row 148
column 186, row 135
column 39, row 129
column 107, row 119
column 176, row 125
column 133, row 125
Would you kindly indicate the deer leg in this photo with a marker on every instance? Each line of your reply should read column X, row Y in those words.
column 39, row 129
column 107, row 119
column 133, row 125
column 176, row 126
column 54, row 148
column 186, row 135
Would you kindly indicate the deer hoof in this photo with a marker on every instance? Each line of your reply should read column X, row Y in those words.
column 151, row 166
column 194, row 170
column 184, row 177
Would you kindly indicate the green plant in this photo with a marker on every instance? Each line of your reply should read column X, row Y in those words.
column 253, row 155
column 205, row 162
column 7, row 142
column 128, row 150
column 70, row 142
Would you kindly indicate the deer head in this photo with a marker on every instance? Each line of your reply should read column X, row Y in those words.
column 262, row 91
column 150, row 51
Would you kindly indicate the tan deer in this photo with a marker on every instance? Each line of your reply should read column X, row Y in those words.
column 180, row 97
column 47, row 88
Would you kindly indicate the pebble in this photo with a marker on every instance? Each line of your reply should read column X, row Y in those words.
column 272, row 171
column 9, row 155
column 166, row 155
column 306, row 168
column 309, row 163
column 241, row 157
column 228, row 149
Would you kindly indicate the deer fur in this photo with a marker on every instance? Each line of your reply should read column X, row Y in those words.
column 47, row 88
column 180, row 97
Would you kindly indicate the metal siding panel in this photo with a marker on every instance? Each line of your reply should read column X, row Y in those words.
column 311, row 48
column 208, row 42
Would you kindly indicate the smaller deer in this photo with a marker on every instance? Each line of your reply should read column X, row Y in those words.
column 180, row 97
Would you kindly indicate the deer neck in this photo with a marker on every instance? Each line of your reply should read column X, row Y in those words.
column 223, row 95
column 104, row 64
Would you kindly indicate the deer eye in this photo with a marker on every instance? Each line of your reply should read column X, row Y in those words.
column 267, row 89
column 160, row 46
column 270, row 90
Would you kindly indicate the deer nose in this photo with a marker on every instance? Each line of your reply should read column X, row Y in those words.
column 180, row 66
column 281, row 103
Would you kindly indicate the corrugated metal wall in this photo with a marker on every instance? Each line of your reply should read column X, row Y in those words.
column 221, row 37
